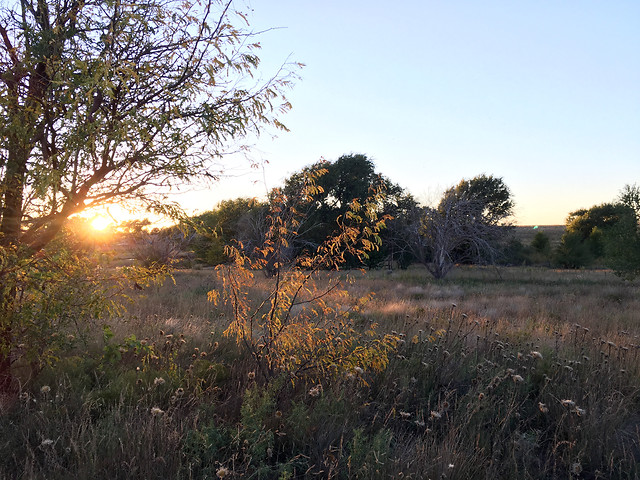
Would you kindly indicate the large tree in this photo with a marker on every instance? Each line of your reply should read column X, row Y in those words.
column 350, row 177
column 466, row 226
column 104, row 100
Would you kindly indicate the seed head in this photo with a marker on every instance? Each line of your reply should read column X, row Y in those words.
column 315, row 391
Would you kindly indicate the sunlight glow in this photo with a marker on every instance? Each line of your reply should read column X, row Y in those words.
column 100, row 223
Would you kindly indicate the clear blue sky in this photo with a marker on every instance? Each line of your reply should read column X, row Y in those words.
column 545, row 94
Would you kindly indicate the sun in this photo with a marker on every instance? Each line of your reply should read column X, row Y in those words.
column 100, row 223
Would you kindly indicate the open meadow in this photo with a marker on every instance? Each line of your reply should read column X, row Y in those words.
column 493, row 373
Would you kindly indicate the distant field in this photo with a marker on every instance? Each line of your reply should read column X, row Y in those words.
column 525, row 233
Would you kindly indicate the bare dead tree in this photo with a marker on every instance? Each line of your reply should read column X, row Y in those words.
column 455, row 232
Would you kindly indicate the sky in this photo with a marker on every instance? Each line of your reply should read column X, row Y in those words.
column 545, row 94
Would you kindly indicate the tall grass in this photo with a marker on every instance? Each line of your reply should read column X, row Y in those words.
column 516, row 373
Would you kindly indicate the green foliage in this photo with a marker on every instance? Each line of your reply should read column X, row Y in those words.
column 369, row 453
column 105, row 102
column 622, row 248
column 238, row 220
column 351, row 178
column 573, row 251
column 494, row 198
column 584, row 241
column 541, row 243
column 630, row 197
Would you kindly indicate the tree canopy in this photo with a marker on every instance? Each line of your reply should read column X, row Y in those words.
column 103, row 101
column 466, row 225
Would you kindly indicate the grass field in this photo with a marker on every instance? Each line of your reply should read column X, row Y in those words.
column 526, row 233
column 497, row 373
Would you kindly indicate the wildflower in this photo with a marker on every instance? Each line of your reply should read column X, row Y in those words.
column 156, row 411
column 24, row 396
column 180, row 391
column 158, row 381
column 47, row 442
column 435, row 415
column 576, row 468
column 519, row 356
column 45, row 389
column 143, row 342
column 451, row 465
column 222, row 472
column 542, row 407
column 278, row 414
column 580, row 411
column 445, row 405
column 316, row 391
column 203, row 354
column 420, row 423
column 251, row 375
column 359, row 370
column 480, row 396
column 405, row 415
column 536, row 355
column 517, row 379
column 568, row 403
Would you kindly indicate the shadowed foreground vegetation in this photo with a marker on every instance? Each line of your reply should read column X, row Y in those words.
column 498, row 373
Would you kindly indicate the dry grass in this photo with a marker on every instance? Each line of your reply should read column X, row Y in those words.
column 533, row 373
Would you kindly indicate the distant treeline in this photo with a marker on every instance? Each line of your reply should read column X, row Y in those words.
column 471, row 224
